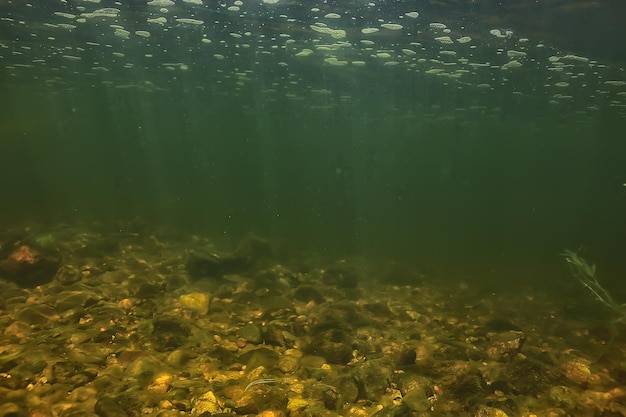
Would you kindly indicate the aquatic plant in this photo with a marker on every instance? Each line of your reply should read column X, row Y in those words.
column 585, row 273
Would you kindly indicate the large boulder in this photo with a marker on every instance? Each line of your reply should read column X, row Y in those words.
column 29, row 267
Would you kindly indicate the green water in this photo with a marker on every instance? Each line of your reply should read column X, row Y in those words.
column 480, row 156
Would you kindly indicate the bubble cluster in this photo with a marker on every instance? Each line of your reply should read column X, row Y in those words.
column 286, row 45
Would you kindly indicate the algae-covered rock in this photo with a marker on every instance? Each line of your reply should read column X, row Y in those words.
column 212, row 265
column 563, row 397
column 250, row 333
column 29, row 267
column 196, row 301
column 417, row 400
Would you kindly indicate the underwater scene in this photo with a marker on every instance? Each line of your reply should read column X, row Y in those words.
column 312, row 208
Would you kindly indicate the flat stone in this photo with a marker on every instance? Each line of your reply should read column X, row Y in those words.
column 250, row 333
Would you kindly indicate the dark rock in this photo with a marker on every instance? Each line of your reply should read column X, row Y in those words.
column 306, row 293
column 416, row 399
column 109, row 406
column 312, row 362
column 144, row 288
column 29, row 267
column 468, row 385
column 260, row 357
column 345, row 314
column 334, row 344
column 170, row 332
column 500, row 385
column 179, row 357
column 273, row 303
column 379, row 310
column 562, row 397
column 279, row 333
column 347, row 386
column 619, row 373
column 341, row 275
column 373, row 377
column 68, row 275
column 505, row 345
column 408, row 381
column 67, row 300
column 211, row 265
column 531, row 376
column 332, row 399
column 256, row 249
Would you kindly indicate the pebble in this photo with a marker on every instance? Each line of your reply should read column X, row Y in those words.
column 136, row 334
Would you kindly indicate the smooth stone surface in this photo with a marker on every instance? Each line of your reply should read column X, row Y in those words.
column 251, row 333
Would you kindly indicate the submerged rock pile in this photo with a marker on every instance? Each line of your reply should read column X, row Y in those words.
column 130, row 326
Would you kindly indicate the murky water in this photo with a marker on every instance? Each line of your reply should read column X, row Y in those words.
column 410, row 171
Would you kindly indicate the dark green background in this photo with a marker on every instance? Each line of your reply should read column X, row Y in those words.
column 396, row 171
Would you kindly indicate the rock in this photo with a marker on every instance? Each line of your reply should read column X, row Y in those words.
column 261, row 356
column 206, row 405
column 334, row 344
column 211, row 265
column 142, row 370
column 505, row 345
column 562, row 397
column 347, row 386
column 406, row 382
column 401, row 354
column 170, row 331
column 373, row 377
column 312, row 362
column 256, row 249
column 108, row 406
column 277, row 333
column 576, row 370
column 417, row 400
column 341, row 275
column 273, row 303
column 29, row 267
column 144, row 288
column 67, row 300
column 306, row 293
column 196, row 301
column 161, row 383
column 288, row 365
column 468, row 384
column 179, row 357
column 530, row 375
column 250, row 333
